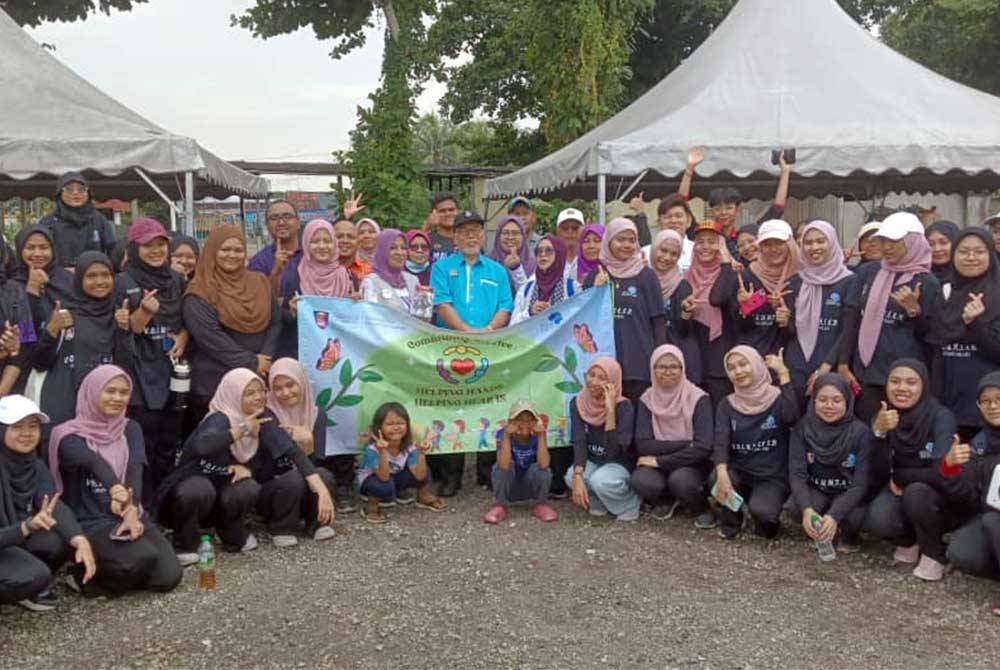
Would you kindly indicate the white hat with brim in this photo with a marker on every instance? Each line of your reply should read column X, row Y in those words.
column 899, row 225
column 14, row 408
column 868, row 228
column 775, row 229
column 569, row 215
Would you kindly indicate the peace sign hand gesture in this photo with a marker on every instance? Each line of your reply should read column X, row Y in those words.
column 43, row 519
column 381, row 444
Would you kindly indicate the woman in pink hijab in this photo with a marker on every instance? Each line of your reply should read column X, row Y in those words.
column 752, row 427
column 673, row 437
column 640, row 321
column 98, row 459
column 891, row 309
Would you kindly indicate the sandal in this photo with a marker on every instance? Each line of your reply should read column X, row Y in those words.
column 433, row 505
column 371, row 512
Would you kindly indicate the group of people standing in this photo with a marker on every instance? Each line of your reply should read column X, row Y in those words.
column 757, row 370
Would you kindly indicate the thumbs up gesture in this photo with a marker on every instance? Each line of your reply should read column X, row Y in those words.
column 886, row 419
column 122, row 315
column 909, row 299
column 959, row 454
column 60, row 320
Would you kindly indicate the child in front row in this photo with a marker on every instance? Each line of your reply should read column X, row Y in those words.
column 522, row 469
column 393, row 463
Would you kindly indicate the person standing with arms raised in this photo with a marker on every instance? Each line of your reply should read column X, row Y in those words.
column 471, row 295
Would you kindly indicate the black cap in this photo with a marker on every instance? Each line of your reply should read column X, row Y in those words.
column 519, row 200
column 69, row 178
column 468, row 216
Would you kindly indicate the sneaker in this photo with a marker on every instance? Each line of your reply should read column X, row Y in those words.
column 284, row 541
column 324, row 533
column 544, row 512
column 929, row 570
column 847, row 544
column 495, row 515
column 907, row 555
column 405, row 498
column 48, row 597
column 664, row 512
column 35, row 604
column 249, row 544
column 344, row 504
column 629, row 516
column 727, row 533
column 596, row 507
column 186, row 558
column 562, row 495
column 705, row 521
column 71, row 581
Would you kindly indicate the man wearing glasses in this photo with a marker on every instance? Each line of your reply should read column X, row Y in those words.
column 75, row 225
column 282, row 221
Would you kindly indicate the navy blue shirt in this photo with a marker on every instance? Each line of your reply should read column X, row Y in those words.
column 831, row 324
column 681, row 333
column 846, row 482
column 523, row 455
column 756, row 444
column 594, row 444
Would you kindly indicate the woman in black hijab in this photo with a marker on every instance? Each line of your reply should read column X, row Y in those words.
column 941, row 236
column 17, row 330
column 88, row 332
column 913, row 432
column 970, row 476
column 75, row 225
column 829, row 460
column 966, row 329
column 184, row 252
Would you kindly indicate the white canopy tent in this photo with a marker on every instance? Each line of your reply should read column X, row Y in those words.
column 53, row 121
column 802, row 74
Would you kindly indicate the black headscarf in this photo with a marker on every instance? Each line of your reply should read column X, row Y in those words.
column 945, row 271
column 832, row 442
column 19, row 479
column 948, row 326
column 167, row 283
column 93, row 320
column 915, row 423
column 60, row 286
column 991, row 433
column 177, row 240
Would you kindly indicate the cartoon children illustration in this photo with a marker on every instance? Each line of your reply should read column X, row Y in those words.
column 483, row 427
column 456, row 442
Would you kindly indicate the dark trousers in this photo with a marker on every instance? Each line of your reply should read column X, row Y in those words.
column 512, row 484
column 686, row 485
column 49, row 547
column 22, row 575
column 717, row 388
column 821, row 502
column 343, row 470
column 868, row 402
column 764, row 498
column 447, row 469
column 560, row 460
column 975, row 547
column 198, row 501
column 161, row 432
column 386, row 491
column 196, row 411
column 921, row 515
column 633, row 390
column 280, row 502
column 309, row 508
column 147, row 563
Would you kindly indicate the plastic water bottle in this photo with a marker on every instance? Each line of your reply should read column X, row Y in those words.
column 824, row 549
column 206, row 564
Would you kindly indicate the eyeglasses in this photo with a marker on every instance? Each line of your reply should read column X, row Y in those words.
column 510, row 233
column 419, row 247
column 75, row 189
column 545, row 251
column 287, row 216
column 670, row 367
column 969, row 253
column 991, row 403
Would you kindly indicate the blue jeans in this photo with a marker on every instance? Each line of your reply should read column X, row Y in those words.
column 386, row 491
column 512, row 484
column 610, row 483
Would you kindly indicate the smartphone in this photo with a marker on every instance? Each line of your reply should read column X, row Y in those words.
column 756, row 300
column 789, row 156
column 733, row 502
column 120, row 538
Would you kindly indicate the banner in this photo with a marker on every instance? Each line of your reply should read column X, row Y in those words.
column 456, row 387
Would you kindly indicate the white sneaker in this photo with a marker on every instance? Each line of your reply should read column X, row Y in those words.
column 324, row 533
column 187, row 558
column 908, row 555
column 35, row 605
column 250, row 544
column 929, row 570
column 629, row 516
column 284, row 541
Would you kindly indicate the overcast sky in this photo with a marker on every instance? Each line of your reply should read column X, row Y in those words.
column 181, row 65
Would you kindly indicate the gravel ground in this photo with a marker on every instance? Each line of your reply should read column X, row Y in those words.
column 446, row 591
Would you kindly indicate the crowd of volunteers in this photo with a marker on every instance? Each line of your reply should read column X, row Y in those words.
column 761, row 371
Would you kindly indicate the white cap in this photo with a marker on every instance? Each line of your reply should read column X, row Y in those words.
column 569, row 215
column 899, row 225
column 775, row 229
column 870, row 227
column 14, row 408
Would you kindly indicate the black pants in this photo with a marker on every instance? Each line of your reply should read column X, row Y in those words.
column 22, row 575
column 686, row 485
column 975, row 547
column 764, row 498
column 196, row 411
column 309, row 509
column 921, row 515
column 869, row 402
column 343, row 470
column 197, row 502
column 561, row 460
column 447, row 469
column 147, row 563
column 849, row 526
column 633, row 390
column 161, row 432
column 485, row 460
column 717, row 388
column 280, row 502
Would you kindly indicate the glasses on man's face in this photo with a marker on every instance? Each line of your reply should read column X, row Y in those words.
column 989, row 403
column 287, row 216
column 75, row 189
column 419, row 247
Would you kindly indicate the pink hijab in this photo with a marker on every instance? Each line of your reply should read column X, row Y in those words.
column 809, row 302
column 774, row 276
column 761, row 394
column 672, row 409
column 305, row 413
column 327, row 279
column 592, row 410
column 668, row 280
column 228, row 400
column 368, row 256
column 702, row 277
column 916, row 260
column 620, row 269
column 104, row 435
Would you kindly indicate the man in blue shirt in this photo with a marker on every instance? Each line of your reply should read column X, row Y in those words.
column 283, row 225
column 472, row 295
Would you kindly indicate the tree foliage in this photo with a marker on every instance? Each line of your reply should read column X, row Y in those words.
column 35, row 12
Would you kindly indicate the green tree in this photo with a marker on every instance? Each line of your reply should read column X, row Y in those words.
column 39, row 11
column 435, row 138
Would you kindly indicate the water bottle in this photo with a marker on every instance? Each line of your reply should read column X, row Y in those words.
column 180, row 385
column 206, row 564
column 824, row 549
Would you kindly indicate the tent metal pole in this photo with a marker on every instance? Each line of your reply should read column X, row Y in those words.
column 631, row 187
column 189, row 203
column 602, row 197
column 163, row 196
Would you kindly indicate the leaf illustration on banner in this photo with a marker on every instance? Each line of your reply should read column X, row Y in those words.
column 570, row 356
column 369, row 376
column 346, row 372
column 569, row 387
column 547, row 364
column 330, row 422
column 348, row 400
column 323, row 399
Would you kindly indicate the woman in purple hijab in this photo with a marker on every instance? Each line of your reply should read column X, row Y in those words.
column 510, row 249
column 588, row 253
column 549, row 285
column 389, row 284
